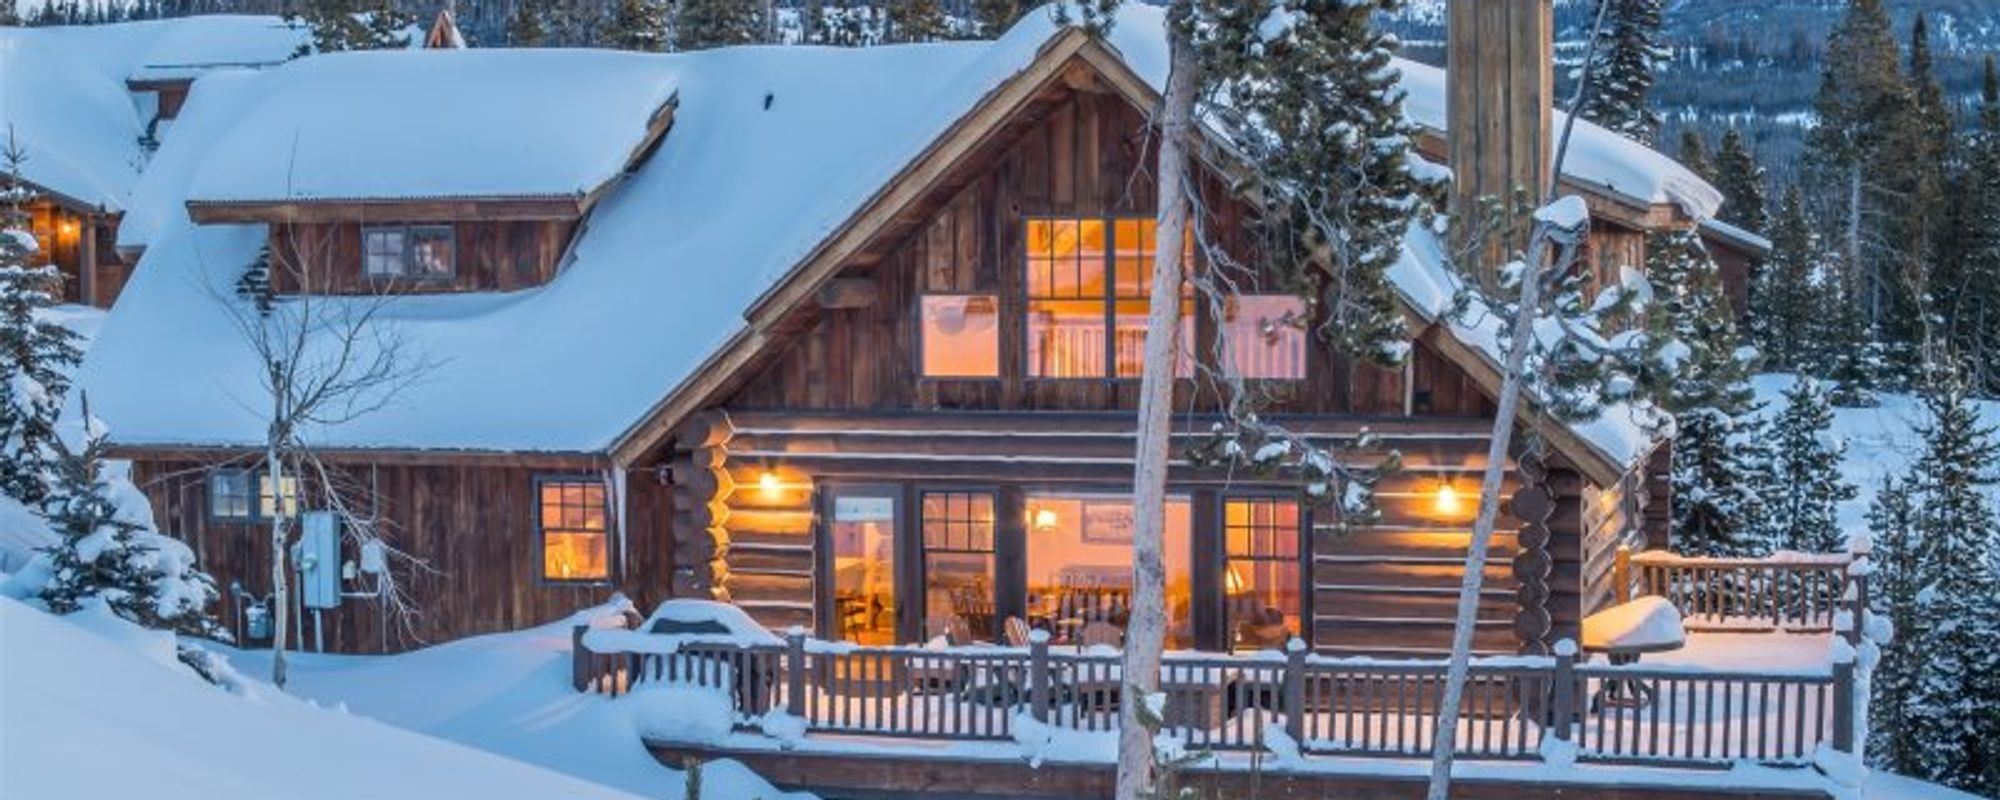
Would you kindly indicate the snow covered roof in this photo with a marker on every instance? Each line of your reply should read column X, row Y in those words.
column 735, row 199
column 216, row 102
column 191, row 46
column 1597, row 157
column 1736, row 235
column 75, row 122
column 429, row 124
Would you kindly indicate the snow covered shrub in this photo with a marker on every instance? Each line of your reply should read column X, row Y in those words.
column 36, row 355
column 109, row 550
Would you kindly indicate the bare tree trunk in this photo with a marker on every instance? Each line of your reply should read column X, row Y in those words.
column 280, row 586
column 1490, row 485
column 1854, row 247
column 1146, row 633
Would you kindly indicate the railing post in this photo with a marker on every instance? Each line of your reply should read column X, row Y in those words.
column 1562, row 690
column 1843, row 703
column 1295, row 690
column 1038, row 674
column 1621, row 575
column 795, row 672
column 1857, row 613
column 579, row 658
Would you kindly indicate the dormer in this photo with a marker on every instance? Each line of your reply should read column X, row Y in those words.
column 431, row 171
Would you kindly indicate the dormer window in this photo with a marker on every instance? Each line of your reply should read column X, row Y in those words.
column 408, row 252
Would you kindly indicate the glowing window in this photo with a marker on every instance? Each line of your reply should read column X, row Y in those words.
column 961, row 336
column 1079, row 576
column 229, row 495
column 959, row 565
column 572, row 517
column 1088, row 296
column 1266, row 335
column 1261, row 576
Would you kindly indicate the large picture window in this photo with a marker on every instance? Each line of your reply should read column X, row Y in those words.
column 958, row 565
column 1080, row 567
column 1089, row 293
column 1261, row 579
column 576, row 545
column 1266, row 335
column 408, row 252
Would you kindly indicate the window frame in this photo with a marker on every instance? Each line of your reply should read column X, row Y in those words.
column 825, row 494
column 920, row 552
column 407, row 257
column 254, row 479
column 611, row 560
column 1303, row 561
column 1109, row 299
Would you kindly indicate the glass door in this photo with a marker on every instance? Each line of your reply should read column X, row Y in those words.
column 861, row 550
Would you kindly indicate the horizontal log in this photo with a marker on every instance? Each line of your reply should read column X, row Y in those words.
column 752, row 587
column 1075, row 423
column 745, row 523
column 1379, row 571
column 1448, row 544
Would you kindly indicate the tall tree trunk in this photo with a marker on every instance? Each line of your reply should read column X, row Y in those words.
column 1490, row 485
column 1861, row 270
column 1146, row 634
column 280, row 587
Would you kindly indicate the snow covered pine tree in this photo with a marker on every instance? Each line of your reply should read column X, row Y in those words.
column 1622, row 66
column 36, row 355
column 1804, row 490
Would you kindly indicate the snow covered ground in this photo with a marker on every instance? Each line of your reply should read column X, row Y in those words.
column 508, row 694
column 91, row 706
column 1882, row 442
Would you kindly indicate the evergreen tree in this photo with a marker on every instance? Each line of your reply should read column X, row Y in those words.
column 1805, row 490
column 339, row 25
column 1853, row 159
column 36, row 356
column 1787, row 296
column 113, row 555
column 917, row 21
column 1621, row 69
column 994, row 17
column 1716, row 459
column 1694, row 154
column 1892, row 523
column 1968, row 282
column 1741, row 180
column 639, row 25
column 529, row 26
column 1850, row 350
column 705, row 24
column 1951, row 707
column 1314, row 108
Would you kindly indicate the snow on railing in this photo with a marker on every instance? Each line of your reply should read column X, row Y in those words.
column 1513, row 706
column 1801, row 592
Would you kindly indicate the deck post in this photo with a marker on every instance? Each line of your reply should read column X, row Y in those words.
column 1562, row 690
column 1295, row 690
column 1856, row 613
column 795, row 672
column 1038, row 674
column 1621, row 575
column 1843, row 704
column 579, row 658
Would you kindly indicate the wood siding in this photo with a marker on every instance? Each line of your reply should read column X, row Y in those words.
column 83, row 247
column 1084, row 158
column 474, row 526
column 490, row 256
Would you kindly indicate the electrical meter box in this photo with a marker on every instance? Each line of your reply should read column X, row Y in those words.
column 319, row 559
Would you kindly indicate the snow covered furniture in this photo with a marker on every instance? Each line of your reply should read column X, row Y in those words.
column 1622, row 633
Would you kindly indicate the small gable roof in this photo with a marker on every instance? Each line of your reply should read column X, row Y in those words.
column 425, row 124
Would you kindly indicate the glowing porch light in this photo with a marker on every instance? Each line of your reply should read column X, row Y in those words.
column 768, row 482
column 1446, row 502
column 1046, row 519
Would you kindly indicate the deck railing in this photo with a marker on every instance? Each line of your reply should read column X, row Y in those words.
column 1792, row 592
column 1645, row 714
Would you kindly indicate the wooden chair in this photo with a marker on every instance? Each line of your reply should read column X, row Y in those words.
column 1017, row 632
column 1100, row 632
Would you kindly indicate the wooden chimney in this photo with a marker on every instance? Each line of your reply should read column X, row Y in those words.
column 1501, row 83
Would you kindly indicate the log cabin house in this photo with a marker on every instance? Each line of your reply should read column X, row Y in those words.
column 844, row 337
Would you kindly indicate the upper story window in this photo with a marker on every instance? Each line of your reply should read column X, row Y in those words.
column 229, row 496
column 1266, row 335
column 408, row 252
column 573, row 516
column 961, row 335
column 1088, row 297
